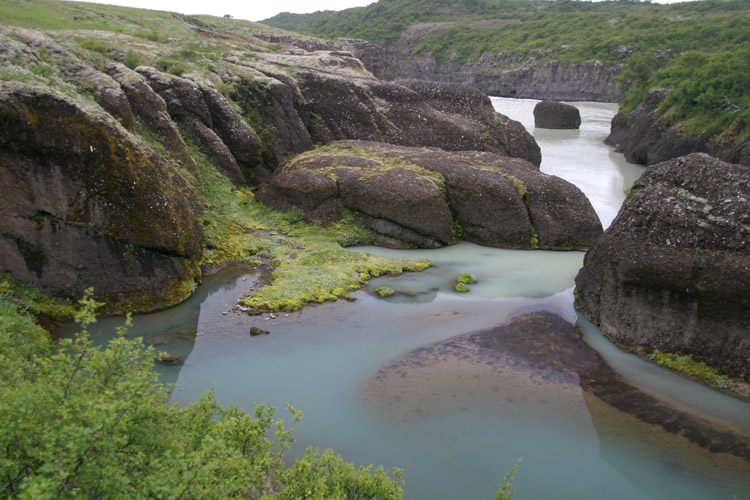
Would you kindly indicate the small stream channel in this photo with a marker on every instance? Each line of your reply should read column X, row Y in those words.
column 357, row 368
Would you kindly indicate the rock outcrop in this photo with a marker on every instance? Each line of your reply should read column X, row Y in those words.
column 105, row 160
column 84, row 203
column 426, row 197
column 672, row 271
column 556, row 115
column 498, row 74
column 645, row 138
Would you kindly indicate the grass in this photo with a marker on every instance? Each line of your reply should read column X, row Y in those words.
column 29, row 299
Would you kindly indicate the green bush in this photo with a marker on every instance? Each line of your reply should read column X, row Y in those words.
column 132, row 59
column 89, row 422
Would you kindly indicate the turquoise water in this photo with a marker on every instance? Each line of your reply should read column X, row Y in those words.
column 455, row 428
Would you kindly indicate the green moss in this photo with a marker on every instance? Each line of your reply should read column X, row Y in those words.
column 32, row 300
column 467, row 279
column 384, row 163
column 688, row 366
column 310, row 262
column 384, row 291
column 518, row 183
column 461, row 287
column 534, row 240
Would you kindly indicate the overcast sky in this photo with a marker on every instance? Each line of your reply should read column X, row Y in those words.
column 254, row 10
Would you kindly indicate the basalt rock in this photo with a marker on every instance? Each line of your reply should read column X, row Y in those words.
column 146, row 104
column 412, row 114
column 84, row 203
column 645, row 138
column 323, row 96
column 556, row 115
column 673, row 269
column 233, row 145
column 496, row 74
column 427, row 197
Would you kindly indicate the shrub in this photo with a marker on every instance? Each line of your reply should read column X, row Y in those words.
column 90, row 422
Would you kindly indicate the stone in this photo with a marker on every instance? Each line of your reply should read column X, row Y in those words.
column 556, row 115
column 169, row 359
column 497, row 74
column 83, row 203
column 255, row 331
column 645, row 138
column 672, row 272
column 427, row 197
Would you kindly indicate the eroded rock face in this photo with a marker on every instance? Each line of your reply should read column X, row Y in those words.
column 496, row 74
column 644, row 138
column 556, row 115
column 85, row 204
column 233, row 145
column 673, row 270
column 427, row 197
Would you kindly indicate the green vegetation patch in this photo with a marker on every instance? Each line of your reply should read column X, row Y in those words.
column 30, row 299
column 384, row 291
column 310, row 262
column 95, row 422
column 467, row 279
column 384, row 163
column 708, row 92
column 688, row 366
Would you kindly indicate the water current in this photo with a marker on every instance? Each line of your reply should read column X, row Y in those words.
column 379, row 384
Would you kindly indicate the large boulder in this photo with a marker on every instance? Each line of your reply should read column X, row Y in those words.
column 84, row 203
column 672, row 272
column 411, row 115
column 427, row 197
column 556, row 115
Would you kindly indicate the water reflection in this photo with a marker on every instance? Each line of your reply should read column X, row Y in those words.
column 174, row 330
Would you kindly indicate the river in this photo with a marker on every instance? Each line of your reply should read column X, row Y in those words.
column 454, row 428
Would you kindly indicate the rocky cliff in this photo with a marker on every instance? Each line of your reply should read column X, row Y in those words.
column 494, row 74
column 644, row 137
column 104, row 163
column 672, row 271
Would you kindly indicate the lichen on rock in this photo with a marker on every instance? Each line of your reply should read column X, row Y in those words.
column 673, row 269
column 416, row 197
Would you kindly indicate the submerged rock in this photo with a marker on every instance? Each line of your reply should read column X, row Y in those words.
column 426, row 197
column 556, row 115
column 533, row 363
column 673, row 270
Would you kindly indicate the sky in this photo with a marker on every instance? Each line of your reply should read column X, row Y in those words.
column 253, row 10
